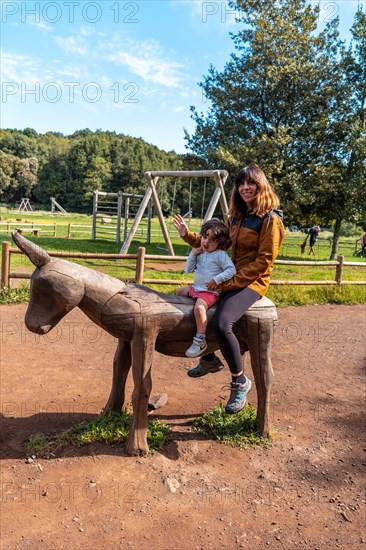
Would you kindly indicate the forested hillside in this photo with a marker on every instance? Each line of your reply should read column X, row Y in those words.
column 69, row 168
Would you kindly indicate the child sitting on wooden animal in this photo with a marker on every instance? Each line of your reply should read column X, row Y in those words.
column 211, row 266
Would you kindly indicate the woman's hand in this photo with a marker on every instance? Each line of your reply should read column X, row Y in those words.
column 180, row 225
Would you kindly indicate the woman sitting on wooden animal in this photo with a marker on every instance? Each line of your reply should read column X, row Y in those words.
column 256, row 232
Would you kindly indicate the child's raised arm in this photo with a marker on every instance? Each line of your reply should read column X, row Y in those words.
column 180, row 225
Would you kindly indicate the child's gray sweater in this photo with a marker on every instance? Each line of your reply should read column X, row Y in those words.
column 215, row 265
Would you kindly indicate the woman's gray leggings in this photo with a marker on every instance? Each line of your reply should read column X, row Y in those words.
column 230, row 308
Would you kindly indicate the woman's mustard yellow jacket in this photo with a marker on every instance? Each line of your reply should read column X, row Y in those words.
column 255, row 244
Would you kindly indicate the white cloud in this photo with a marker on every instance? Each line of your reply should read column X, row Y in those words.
column 78, row 44
column 73, row 45
column 150, row 68
column 41, row 25
column 86, row 31
column 73, row 70
column 18, row 68
column 150, row 63
column 24, row 69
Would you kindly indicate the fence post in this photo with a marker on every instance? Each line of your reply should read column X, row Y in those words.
column 69, row 231
column 140, row 265
column 339, row 270
column 54, row 229
column 5, row 263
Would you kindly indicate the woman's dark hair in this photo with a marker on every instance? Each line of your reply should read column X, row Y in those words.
column 265, row 199
column 219, row 230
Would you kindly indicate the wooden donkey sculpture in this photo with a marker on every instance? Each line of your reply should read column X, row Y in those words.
column 143, row 321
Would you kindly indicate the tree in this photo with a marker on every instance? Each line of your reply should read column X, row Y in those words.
column 351, row 185
column 89, row 169
column 339, row 168
column 8, row 183
column 18, row 176
column 281, row 101
column 15, row 142
column 54, row 173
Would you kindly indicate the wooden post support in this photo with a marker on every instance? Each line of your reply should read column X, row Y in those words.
column 149, row 217
column 119, row 214
column 213, row 203
column 155, row 198
column 339, row 270
column 95, row 207
column 138, row 217
column 260, row 323
column 5, row 263
column 69, row 231
column 127, row 215
column 220, row 182
column 54, row 229
column 140, row 265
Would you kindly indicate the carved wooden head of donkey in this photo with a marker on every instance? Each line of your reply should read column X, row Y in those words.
column 53, row 292
column 57, row 286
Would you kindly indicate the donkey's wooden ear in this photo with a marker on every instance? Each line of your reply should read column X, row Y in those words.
column 37, row 255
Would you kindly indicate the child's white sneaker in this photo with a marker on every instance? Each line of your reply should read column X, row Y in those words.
column 198, row 346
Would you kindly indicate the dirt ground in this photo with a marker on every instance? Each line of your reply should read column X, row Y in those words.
column 304, row 491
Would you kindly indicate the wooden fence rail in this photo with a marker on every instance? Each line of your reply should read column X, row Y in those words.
column 141, row 257
column 37, row 228
column 71, row 229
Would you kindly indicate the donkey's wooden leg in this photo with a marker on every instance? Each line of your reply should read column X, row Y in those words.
column 259, row 338
column 142, row 349
column 121, row 367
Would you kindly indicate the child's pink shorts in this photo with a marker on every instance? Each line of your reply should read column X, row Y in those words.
column 209, row 297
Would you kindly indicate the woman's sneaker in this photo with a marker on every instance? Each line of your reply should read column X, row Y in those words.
column 205, row 367
column 197, row 348
column 238, row 396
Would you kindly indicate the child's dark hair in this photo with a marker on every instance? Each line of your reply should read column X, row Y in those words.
column 219, row 230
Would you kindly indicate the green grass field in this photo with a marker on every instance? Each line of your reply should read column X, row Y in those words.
column 80, row 241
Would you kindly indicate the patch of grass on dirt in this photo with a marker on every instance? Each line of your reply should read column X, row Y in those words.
column 284, row 296
column 107, row 428
column 239, row 430
column 10, row 295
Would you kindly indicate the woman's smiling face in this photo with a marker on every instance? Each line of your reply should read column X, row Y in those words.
column 247, row 190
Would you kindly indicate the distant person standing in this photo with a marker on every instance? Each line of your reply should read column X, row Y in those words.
column 363, row 244
column 313, row 234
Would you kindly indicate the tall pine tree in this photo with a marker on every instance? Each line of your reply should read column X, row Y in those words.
column 283, row 101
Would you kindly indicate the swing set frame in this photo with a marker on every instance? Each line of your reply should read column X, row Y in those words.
column 219, row 176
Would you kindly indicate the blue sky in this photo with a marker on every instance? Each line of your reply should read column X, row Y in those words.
column 125, row 66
